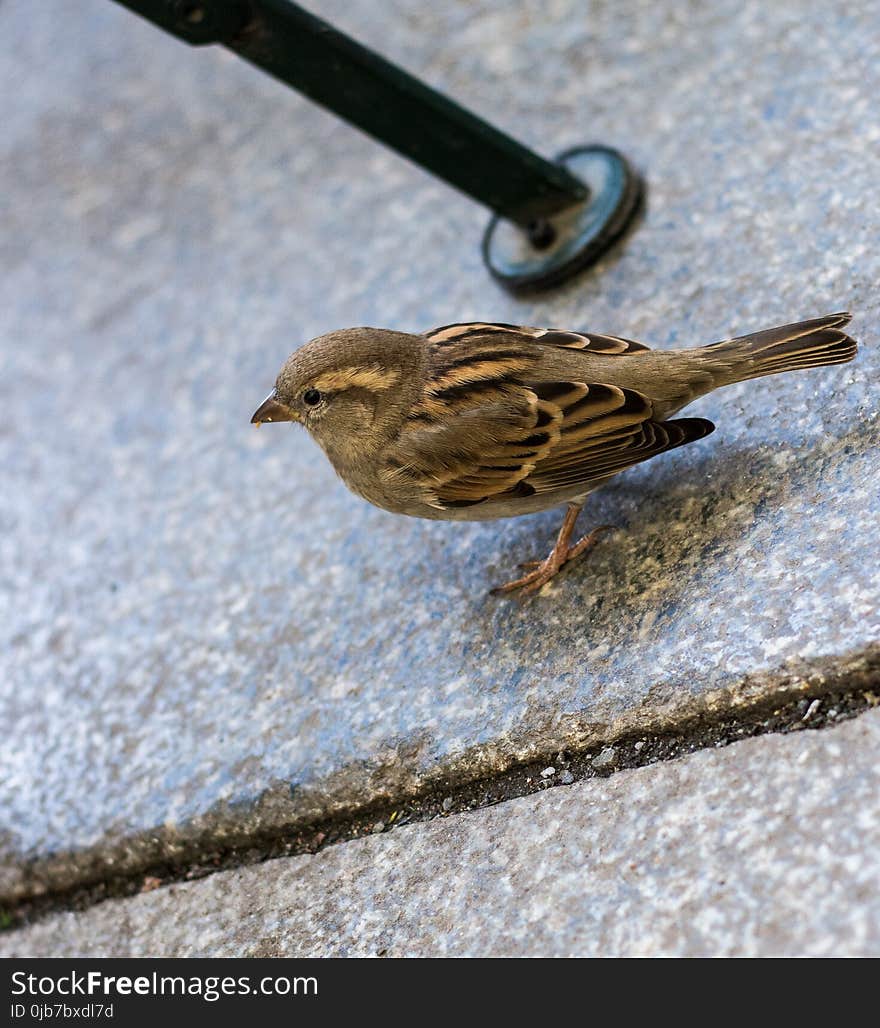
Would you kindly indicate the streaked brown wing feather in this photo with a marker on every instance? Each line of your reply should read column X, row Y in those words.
column 504, row 464
column 605, row 430
column 610, row 454
column 485, row 430
column 480, row 452
column 591, row 341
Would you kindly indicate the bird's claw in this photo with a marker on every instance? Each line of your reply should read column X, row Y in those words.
column 547, row 569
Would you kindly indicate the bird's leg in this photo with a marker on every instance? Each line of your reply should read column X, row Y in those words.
column 560, row 555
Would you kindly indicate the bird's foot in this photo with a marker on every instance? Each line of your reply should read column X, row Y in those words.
column 547, row 569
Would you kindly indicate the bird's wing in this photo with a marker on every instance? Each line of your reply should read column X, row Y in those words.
column 592, row 341
column 467, row 443
column 485, row 430
column 604, row 430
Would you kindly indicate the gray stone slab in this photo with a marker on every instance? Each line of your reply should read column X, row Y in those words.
column 767, row 847
column 201, row 632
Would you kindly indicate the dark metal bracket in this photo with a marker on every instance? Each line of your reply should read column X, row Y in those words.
column 551, row 218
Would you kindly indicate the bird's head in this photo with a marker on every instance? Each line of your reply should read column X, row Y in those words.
column 351, row 389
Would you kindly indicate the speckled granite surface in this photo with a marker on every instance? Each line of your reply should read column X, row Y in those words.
column 767, row 847
column 200, row 630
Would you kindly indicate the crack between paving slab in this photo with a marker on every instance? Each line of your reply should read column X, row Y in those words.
column 818, row 695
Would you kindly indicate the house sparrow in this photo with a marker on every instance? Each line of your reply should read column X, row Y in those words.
column 480, row 421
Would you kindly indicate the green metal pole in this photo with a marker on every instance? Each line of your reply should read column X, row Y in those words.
column 571, row 210
column 379, row 98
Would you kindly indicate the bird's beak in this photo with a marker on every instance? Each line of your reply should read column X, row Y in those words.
column 273, row 410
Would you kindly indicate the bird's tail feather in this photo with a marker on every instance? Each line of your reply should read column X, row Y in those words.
column 807, row 344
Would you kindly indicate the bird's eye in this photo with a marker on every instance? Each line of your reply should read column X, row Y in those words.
column 311, row 397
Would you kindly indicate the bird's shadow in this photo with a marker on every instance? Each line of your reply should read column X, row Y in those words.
column 674, row 519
